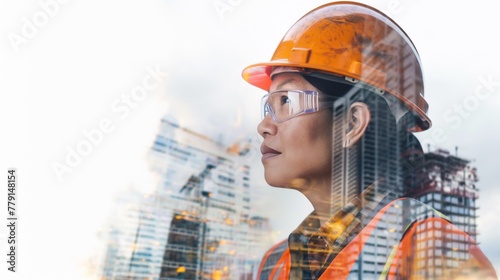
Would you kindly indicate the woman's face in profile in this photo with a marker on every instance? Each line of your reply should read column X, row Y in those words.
column 298, row 150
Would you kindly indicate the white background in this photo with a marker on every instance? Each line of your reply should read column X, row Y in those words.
column 62, row 77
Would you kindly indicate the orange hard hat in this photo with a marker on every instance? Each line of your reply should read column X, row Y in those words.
column 355, row 42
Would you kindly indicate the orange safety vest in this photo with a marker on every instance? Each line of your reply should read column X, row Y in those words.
column 429, row 247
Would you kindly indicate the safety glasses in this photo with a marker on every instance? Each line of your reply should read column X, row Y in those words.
column 283, row 105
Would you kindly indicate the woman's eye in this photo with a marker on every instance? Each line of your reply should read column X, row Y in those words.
column 284, row 99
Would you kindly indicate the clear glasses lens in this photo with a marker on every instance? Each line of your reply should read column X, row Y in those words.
column 285, row 104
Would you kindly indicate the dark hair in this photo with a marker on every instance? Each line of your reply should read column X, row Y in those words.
column 387, row 150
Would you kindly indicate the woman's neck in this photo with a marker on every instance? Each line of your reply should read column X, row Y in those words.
column 318, row 192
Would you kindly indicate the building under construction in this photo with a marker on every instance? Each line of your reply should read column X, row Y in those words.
column 198, row 222
column 446, row 183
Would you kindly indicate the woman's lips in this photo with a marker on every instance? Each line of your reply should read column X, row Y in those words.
column 268, row 152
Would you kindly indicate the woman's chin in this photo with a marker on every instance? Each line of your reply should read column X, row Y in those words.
column 296, row 183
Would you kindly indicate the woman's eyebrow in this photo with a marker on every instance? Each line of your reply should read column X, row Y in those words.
column 284, row 83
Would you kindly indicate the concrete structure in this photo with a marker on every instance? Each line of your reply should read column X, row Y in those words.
column 198, row 223
column 447, row 183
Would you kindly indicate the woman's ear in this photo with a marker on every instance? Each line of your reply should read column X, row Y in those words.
column 358, row 119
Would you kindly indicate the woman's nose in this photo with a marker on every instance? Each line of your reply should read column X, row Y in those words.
column 267, row 126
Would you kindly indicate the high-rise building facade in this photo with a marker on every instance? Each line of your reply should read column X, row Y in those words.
column 447, row 183
column 198, row 223
column 373, row 158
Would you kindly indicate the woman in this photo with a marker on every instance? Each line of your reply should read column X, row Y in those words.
column 345, row 91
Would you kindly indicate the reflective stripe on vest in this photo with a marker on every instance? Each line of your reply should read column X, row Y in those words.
column 400, row 214
column 423, row 244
